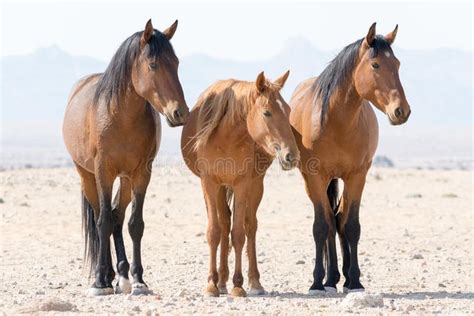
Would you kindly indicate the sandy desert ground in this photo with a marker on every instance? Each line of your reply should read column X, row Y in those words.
column 416, row 250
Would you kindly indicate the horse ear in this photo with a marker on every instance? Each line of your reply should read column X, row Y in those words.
column 260, row 82
column 369, row 38
column 147, row 33
column 390, row 37
column 169, row 32
column 280, row 82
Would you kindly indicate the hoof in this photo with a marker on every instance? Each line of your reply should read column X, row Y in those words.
column 211, row 291
column 95, row 291
column 257, row 291
column 140, row 289
column 316, row 292
column 361, row 290
column 123, row 286
column 238, row 292
column 223, row 290
column 330, row 290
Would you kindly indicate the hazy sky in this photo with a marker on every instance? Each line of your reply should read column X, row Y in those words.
column 242, row 31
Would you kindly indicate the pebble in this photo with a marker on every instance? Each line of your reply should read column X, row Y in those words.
column 48, row 304
column 361, row 300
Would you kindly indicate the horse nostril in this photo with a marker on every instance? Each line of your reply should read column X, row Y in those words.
column 289, row 157
column 398, row 112
column 176, row 114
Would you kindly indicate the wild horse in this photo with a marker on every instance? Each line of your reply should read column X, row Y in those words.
column 112, row 129
column 337, row 133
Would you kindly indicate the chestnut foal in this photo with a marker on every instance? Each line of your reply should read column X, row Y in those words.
column 232, row 135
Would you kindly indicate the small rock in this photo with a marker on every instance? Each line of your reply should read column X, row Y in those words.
column 417, row 256
column 39, row 292
column 450, row 195
column 441, row 285
column 414, row 196
column 300, row 262
column 408, row 308
column 136, row 308
column 182, row 293
column 362, row 300
column 49, row 304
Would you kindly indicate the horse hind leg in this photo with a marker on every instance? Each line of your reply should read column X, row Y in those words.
column 121, row 201
column 225, row 223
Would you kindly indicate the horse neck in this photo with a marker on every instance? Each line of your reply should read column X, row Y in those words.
column 234, row 133
column 130, row 106
column 345, row 106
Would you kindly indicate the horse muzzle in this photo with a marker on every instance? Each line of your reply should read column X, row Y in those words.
column 288, row 160
column 177, row 117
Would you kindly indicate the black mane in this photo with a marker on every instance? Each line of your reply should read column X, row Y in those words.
column 340, row 69
column 114, row 81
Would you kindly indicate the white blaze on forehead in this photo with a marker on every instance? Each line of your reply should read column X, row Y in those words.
column 281, row 105
column 387, row 54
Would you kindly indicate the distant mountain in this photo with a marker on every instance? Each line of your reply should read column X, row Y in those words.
column 36, row 87
column 438, row 83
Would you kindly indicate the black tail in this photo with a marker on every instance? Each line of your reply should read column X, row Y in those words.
column 229, row 196
column 333, row 195
column 91, row 238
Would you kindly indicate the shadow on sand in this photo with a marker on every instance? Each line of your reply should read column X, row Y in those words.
column 407, row 296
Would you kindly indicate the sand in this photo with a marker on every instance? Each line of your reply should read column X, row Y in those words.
column 416, row 249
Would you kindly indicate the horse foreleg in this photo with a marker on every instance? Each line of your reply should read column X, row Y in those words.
column 241, row 193
column 322, row 226
column 346, row 260
column 349, row 226
column 104, row 179
column 136, row 226
column 211, row 191
column 251, row 224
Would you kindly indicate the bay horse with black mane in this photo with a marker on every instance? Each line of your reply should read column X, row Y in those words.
column 112, row 129
column 233, row 133
column 337, row 133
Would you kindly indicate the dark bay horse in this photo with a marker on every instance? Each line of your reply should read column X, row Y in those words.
column 233, row 133
column 112, row 129
column 337, row 133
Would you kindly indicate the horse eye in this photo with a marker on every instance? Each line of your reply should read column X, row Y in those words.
column 153, row 66
column 375, row 65
column 267, row 113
